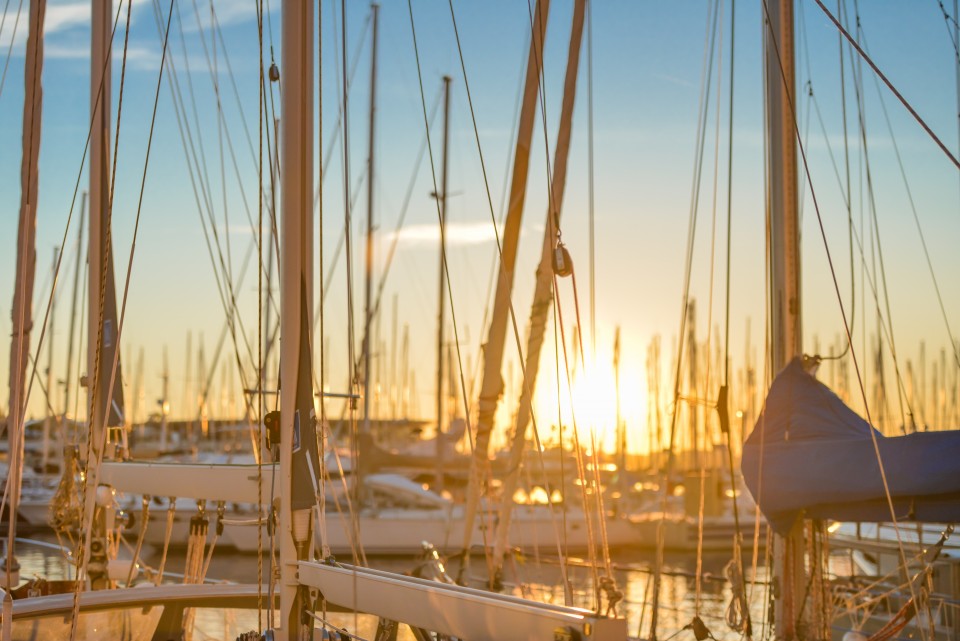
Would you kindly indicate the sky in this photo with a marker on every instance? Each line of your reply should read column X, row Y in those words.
column 647, row 62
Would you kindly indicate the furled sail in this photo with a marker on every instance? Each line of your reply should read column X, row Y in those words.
column 811, row 455
column 306, row 460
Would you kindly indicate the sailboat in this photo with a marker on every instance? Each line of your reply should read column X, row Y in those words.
column 302, row 586
column 809, row 455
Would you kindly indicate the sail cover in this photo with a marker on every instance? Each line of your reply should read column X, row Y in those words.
column 811, row 455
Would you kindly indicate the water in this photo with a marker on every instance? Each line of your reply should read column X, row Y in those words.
column 530, row 576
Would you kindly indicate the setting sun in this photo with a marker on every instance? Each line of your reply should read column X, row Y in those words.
column 594, row 407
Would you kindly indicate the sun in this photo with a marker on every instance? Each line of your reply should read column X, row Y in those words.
column 590, row 402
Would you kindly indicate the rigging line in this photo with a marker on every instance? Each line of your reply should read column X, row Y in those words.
column 890, row 86
column 486, row 185
column 562, row 556
column 3, row 19
column 705, row 82
column 861, row 110
column 321, row 441
column 590, row 184
column 950, row 23
column 333, row 270
column 223, row 287
column 21, row 316
column 202, row 171
column 913, row 209
column 96, row 450
column 213, row 71
column 846, row 162
column 553, row 221
column 202, row 167
column 499, row 247
column 853, row 354
column 745, row 623
column 876, row 297
column 705, row 79
column 375, row 308
column 208, row 379
column 845, row 193
column 212, row 68
column 233, row 83
column 442, row 228
column 710, row 289
column 220, row 128
column 201, row 194
column 136, row 226
column 351, row 337
column 508, row 168
column 605, row 546
column 581, row 468
column 13, row 37
column 499, row 253
column 259, row 441
column 335, row 134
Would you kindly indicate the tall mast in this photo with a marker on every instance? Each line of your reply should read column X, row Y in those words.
column 68, row 378
column 102, row 316
column 784, row 250
column 543, row 291
column 164, row 402
column 50, row 418
column 102, row 344
column 299, row 461
column 26, row 266
column 443, row 276
column 368, row 271
column 621, row 426
column 491, row 387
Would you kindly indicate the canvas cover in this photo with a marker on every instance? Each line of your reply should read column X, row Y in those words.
column 811, row 455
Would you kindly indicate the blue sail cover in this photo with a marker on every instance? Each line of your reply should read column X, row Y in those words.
column 810, row 455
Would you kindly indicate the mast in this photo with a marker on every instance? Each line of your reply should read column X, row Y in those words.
column 784, row 252
column 491, row 387
column 51, row 414
column 299, row 461
column 73, row 311
column 368, row 272
column 26, row 266
column 164, row 402
column 621, row 426
column 543, row 292
column 105, row 405
column 102, row 317
column 443, row 277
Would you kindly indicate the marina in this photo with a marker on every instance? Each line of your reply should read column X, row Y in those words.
column 376, row 446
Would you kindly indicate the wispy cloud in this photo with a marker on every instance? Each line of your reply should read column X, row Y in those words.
column 457, row 234
column 228, row 12
column 61, row 17
column 675, row 80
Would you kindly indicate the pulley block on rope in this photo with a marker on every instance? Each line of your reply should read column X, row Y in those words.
column 199, row 524
column 126, row 519
column 723, row 409
column 274, row 72
column 272, row 424
column 700, row 629
column 562, row 263
column 221, row 509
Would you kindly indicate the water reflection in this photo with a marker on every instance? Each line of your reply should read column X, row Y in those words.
column 531, row 576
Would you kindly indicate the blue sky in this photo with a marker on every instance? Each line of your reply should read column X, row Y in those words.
column 648, row 61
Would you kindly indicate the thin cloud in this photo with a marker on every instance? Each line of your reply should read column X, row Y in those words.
column 61, row 17
column 457, row 234
column 228, row 12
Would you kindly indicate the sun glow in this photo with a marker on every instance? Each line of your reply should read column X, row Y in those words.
column 594, row 409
